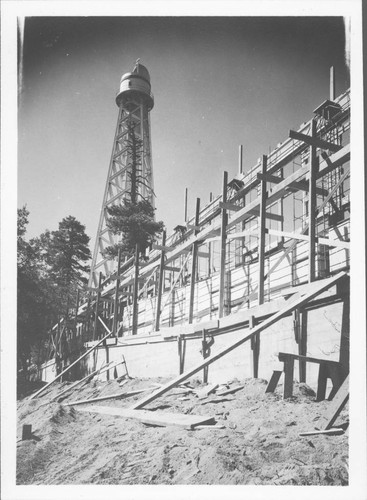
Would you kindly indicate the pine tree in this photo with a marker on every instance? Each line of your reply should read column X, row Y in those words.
column 133, row 220
column 67, row 257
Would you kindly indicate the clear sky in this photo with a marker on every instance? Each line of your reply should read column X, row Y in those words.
column 217, row 82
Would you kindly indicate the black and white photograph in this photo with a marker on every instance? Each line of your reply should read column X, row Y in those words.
column 183, row 257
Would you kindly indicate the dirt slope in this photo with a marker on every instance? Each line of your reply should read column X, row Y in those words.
column 259, row 443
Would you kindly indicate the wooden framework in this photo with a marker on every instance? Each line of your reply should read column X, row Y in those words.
column 254, row 212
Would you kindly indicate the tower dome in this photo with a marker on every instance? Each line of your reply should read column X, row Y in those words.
column 136, row 83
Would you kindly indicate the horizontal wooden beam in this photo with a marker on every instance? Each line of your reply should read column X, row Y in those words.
column 304, row 185
column 203, row 254
column 229, row 206
column 268, row 215
column 269, row 178
column 171, row 268
column 192, row 226
column 314, row 141
column 155, row 246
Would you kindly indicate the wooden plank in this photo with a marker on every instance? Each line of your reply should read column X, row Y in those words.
column 336, row 406
column 78, row 382
column 154, row 418
column 229, row 206
column 284, row 355
column 232, row 390
column 163, row 247
column 288, row 308
column 70, row 366
column 269, row 178
column 314, row 141
column 333, row 432
column 273, row 382
column 205, row 391
column 119, row 395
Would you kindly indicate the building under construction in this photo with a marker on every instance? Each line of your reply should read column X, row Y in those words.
column 261, row 269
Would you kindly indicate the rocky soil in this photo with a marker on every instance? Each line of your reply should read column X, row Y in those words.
column 255, row 441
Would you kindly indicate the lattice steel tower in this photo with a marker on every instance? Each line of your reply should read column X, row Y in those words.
column 135, row 101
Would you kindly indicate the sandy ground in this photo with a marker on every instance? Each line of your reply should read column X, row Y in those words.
column 259, row 443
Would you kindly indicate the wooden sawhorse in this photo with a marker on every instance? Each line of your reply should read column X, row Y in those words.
column 328, row 369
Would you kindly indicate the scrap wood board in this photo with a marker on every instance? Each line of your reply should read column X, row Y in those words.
column 154, row 418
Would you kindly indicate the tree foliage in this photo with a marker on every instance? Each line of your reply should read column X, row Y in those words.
column 50, row 269
column 136, row 225
column 133, row 219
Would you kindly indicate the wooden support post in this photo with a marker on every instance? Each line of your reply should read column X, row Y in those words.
column 321, row 383
column 312, row 210
column 204, row 351
column 223, row 241
column 255, row 347
column 288, row 377
column 194, row 264
column 240, row 160
column 332, row 83
column 26, row 432
column 160, row 285
column 135, row 292
column 302, row 344
column 262, row 235
column 181, row 347
column 116, row 303
column 95, row 330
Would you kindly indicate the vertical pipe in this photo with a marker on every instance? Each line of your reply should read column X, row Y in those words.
column 261, row 249
column 240, row 159
column 312, row 210
column 116, row 303
column 135, row 292
column 194, row 263
column 332, row 83
column 223, row 240
column 160, row 284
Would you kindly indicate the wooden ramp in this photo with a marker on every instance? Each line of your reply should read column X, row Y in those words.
column 161, row 419
column 296, row 301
